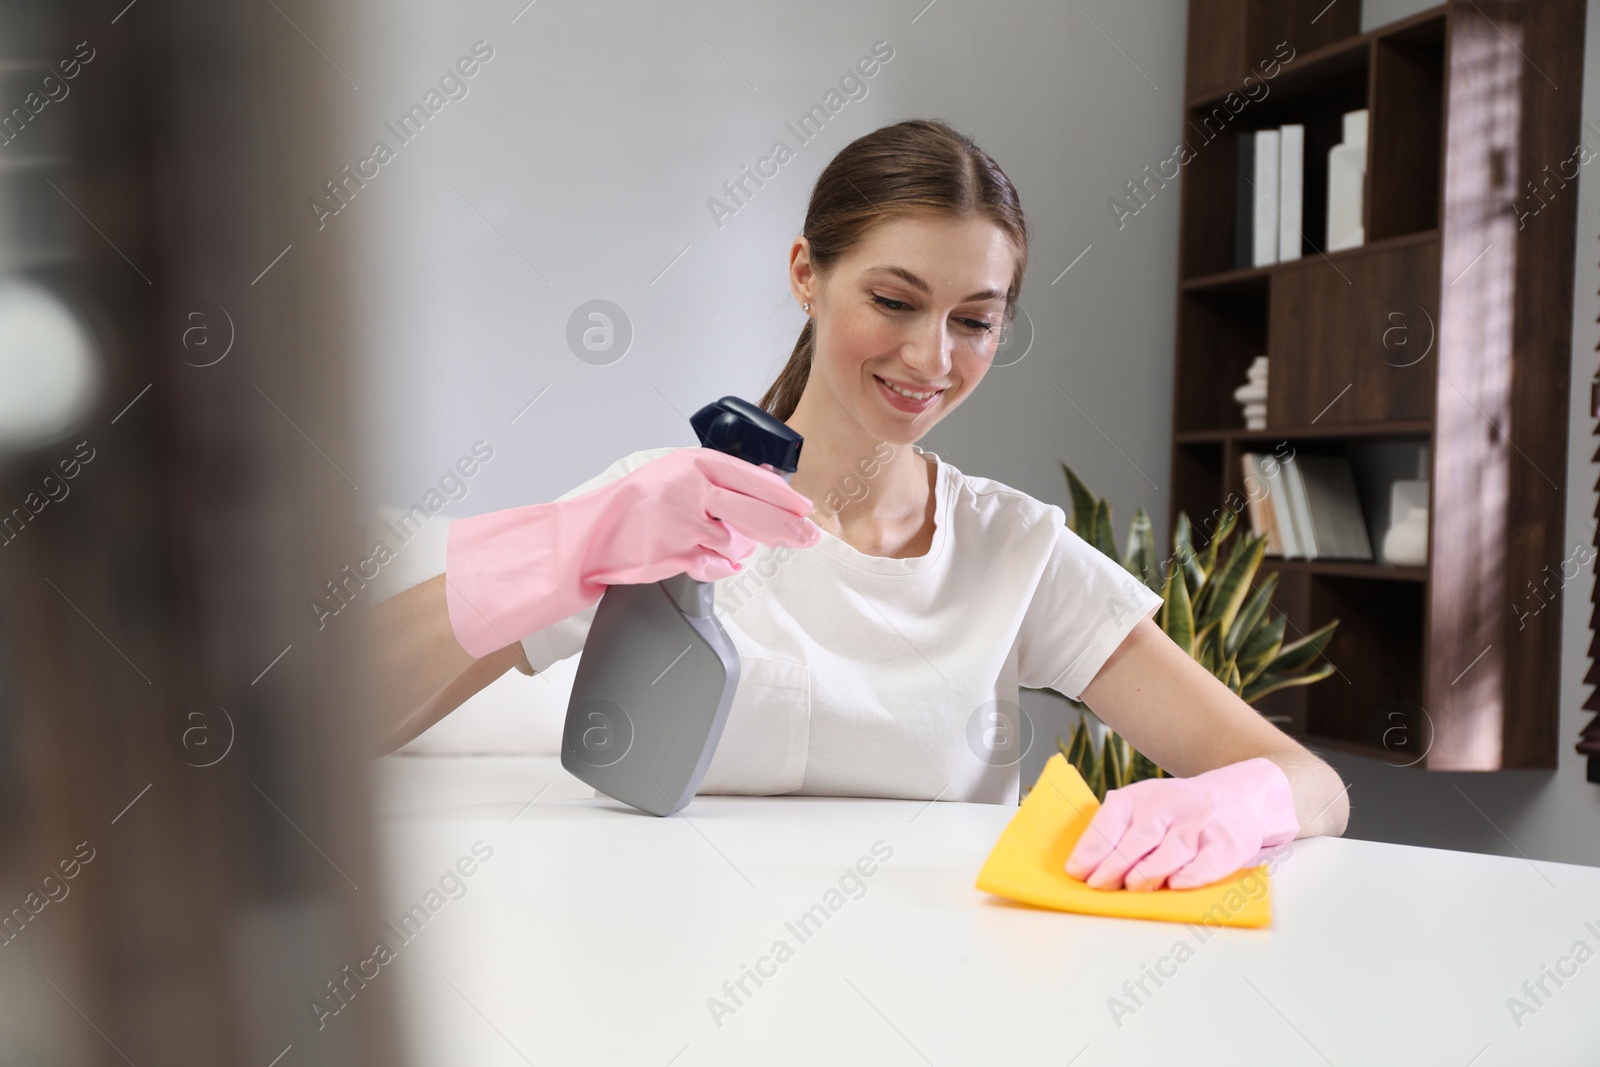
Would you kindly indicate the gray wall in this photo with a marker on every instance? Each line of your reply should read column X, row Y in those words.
column 579, row 167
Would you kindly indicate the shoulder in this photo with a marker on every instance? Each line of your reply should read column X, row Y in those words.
column 992, row 502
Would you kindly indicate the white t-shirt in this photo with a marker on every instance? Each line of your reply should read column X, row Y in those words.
column 866, row 676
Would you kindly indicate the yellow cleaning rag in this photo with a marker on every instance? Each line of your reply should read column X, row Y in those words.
column 1028, row 864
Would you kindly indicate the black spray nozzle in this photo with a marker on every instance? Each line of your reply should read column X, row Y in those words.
column 739, row 428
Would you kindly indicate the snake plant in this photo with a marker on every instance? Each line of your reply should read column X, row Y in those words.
column 1214, row 610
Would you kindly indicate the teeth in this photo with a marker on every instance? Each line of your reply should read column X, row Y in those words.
column 906, row 393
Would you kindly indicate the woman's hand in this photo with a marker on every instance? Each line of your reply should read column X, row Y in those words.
column 694, row 511
column 1186, row 832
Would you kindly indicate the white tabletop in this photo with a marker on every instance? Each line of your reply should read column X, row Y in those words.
column 597, row 935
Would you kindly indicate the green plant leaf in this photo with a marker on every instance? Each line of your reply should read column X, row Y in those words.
column 1176, row 618
column 1214, row 660
column 1142, row 767
column 1232, row 585
column 1081, row 519
column 1251, row 613
column 1078, row 751
column 1096, row 777
column 1208, row 555
column 1184, row 556
column 1298, row 655
column 1111, row 763
column 1100, row 533
column 1141, row 554
column 1270, row 683
column 1260, row 647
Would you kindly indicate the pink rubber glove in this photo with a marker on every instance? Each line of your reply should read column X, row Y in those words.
column 698, row 511
column 1186, row 832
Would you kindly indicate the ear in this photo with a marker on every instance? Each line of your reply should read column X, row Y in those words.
column 802, row 277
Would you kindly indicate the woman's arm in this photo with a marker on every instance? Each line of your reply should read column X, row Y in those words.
column 420, row 673
column 1177, row 713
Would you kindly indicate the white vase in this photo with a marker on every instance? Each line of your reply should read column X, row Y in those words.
column 1406, row 542
column 1347, row 171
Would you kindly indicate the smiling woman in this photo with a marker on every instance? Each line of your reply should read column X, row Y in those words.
column 901, row 624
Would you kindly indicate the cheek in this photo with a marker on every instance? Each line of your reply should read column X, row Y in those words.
column 862, row 337
column 972, row 369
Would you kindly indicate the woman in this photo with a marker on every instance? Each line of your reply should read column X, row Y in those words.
column 879, row 639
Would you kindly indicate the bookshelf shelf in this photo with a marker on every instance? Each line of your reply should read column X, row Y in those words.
column 1247, row 277
column 1397, row 428
column 1343, row 568
column 1401, row 347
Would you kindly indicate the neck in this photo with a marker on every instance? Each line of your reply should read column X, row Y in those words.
column 855, row 479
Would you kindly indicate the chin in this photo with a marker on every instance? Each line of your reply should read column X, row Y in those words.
column 905, row 430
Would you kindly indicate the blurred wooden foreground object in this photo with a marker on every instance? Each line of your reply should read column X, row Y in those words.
column 185, row 859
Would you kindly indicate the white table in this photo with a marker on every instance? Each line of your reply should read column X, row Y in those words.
column 596, row 935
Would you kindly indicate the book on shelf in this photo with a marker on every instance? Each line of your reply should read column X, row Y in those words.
column 1333, row 506
column 1264, row 245
column 1311, row 508
column 1244, row 202
column 1291, row 189
column 1274, row 511
column 1298, row 508
column 1262, row 520
column 1269, row 199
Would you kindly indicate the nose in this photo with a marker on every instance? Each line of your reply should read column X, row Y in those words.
column 931, row 352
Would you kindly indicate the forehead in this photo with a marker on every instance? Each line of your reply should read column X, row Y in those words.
column 954, row 258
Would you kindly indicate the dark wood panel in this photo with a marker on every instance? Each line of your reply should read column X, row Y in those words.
column 1351, row 340
column 1216, row 59
column 1306, row 25
column 1513, row 72
column 1396, row 360
column 1315, row 307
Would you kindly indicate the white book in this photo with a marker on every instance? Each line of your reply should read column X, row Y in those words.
column 1291, row 189
column 1265, row 199
column 1299, row 512
column 1278, row 497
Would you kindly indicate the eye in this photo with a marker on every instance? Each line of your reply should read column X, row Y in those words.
column 977, row 326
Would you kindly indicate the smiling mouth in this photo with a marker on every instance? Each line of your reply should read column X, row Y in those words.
column 917, row 397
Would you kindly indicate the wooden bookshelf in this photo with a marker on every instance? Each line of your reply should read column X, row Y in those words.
column 1449, row 327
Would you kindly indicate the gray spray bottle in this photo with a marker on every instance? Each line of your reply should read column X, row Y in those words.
column 658, row 672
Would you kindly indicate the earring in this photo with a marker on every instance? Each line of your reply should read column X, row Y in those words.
column 805, row 307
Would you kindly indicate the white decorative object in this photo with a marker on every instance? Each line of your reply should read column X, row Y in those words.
column 1252, row 395
column 1406, row 542
column 1347, row 172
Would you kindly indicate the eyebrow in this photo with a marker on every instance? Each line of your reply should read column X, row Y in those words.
column 923, row 287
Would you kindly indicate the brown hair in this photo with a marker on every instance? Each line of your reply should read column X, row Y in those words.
column 915, row 167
